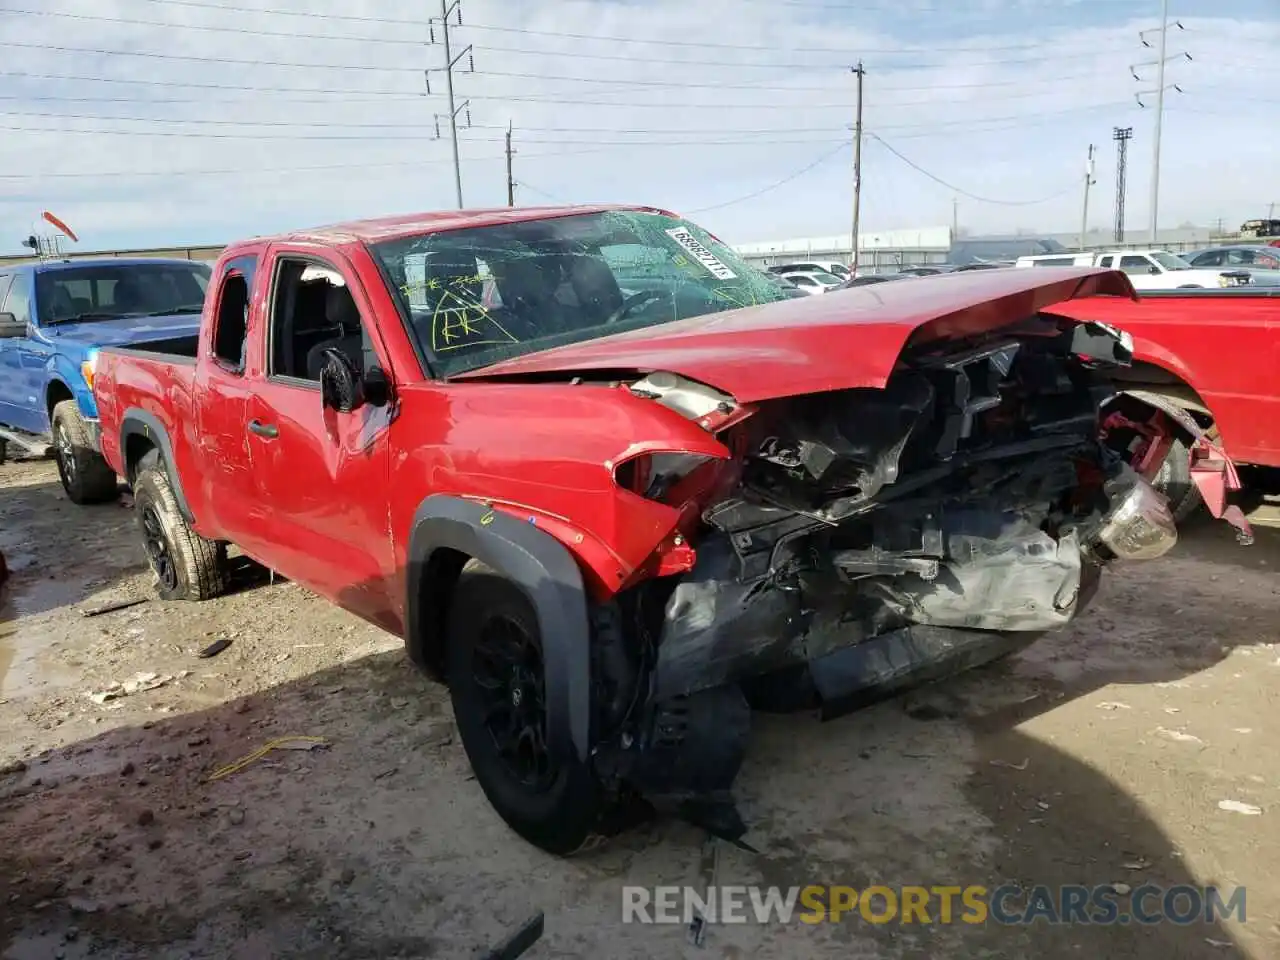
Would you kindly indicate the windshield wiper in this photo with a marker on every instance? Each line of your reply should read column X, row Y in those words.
column 172, row 311
column 84, row 317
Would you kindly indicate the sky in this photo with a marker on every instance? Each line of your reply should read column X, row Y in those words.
column 150, row 122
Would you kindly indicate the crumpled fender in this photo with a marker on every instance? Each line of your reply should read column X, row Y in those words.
column 1211, row 469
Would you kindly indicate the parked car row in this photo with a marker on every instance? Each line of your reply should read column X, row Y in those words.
column 617, row 502
column 1162, row 270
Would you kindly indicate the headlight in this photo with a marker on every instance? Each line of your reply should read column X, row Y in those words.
column 1139, row 526
column 88, row 368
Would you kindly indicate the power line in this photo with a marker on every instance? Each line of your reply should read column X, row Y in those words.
column 413, row 42
column 942, row 126
column 189, row 58
column 214, row 28
column 406, row 95
column 242, row 171
column 401, row 138
column 400, row 21
column 965, row 193
column 371, row 68
column 774, row 186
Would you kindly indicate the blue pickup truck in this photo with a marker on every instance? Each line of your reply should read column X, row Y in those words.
column 54, row 317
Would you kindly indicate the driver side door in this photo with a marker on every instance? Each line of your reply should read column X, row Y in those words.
column 322, row 477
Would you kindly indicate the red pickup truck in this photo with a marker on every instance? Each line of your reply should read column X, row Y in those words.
column 1206, row 363
column 616, row 487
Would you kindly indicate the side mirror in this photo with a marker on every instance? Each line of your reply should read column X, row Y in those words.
column 1154, row 270
column 10, row 327
column 376, row 387
column 340, row 388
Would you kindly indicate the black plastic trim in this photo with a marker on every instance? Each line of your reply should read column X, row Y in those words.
column 546, row 571
column 139, row 423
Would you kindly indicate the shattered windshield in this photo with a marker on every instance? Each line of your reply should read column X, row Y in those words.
column 477, row 296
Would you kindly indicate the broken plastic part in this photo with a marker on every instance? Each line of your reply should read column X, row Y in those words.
column 687, row 397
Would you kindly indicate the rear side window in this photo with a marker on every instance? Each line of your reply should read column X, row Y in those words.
column 231, row 323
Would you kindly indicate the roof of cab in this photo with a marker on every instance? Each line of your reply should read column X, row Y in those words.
column 410, row 224
column 44, row 266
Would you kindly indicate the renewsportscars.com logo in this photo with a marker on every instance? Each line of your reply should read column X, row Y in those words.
column 1010, row 905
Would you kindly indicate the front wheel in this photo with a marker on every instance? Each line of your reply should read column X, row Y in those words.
column 85, row 476
column 497, row 685
column 186, row 565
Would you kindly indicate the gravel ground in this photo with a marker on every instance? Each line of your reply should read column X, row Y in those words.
column 1098, row 756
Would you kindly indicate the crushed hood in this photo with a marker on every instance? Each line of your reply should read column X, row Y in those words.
column 841, row 340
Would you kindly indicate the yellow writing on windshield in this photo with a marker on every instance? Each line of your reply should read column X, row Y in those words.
column 461, row 321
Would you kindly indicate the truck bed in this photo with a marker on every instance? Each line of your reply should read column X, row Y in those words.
column 154, row 380
column 175, row 349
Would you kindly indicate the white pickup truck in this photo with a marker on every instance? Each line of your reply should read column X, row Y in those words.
column 1147, row 269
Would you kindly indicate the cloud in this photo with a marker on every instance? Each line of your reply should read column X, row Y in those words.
column 193, row 124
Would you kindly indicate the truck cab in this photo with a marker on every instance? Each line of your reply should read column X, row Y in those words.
column 54, row 318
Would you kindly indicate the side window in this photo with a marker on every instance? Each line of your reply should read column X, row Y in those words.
column 312, row 310
column 1135, row 266
column 1213, row 259
column 231, row 325
column 18, row 302
column 1236, row 257
column 1106, row 261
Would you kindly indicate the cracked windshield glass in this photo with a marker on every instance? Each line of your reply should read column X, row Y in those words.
column 477, row 296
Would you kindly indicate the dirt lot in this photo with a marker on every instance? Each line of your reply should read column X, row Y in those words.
column 1099, row 756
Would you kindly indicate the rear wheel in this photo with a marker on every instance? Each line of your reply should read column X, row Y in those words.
column 186, row 565
column 84, row 474
column 498, row 688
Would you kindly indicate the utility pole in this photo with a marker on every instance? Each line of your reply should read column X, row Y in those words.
column 1084, row 213
column 511, row 184
column 857, row 173
column 955, row 218
column 1159, row 63
column 1122, row 136
column 448, row 10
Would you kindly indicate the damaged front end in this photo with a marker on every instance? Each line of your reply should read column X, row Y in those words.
column 862, row 541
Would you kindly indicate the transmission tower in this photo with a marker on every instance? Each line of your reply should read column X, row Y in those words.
column 454, row 10
column 1122, row 136
column 1162, row 58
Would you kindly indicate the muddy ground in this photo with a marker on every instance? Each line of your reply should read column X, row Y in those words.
column 1098, row 756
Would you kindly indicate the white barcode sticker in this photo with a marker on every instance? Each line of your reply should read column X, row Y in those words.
column 714, row 265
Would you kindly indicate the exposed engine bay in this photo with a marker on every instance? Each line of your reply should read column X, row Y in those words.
column 862, row 541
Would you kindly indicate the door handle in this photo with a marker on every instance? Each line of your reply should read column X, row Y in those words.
column 267, row 430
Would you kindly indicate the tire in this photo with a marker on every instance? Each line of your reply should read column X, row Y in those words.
column 85, row 475
column 186, row 565
column 1173, row 481
column 555, row 803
